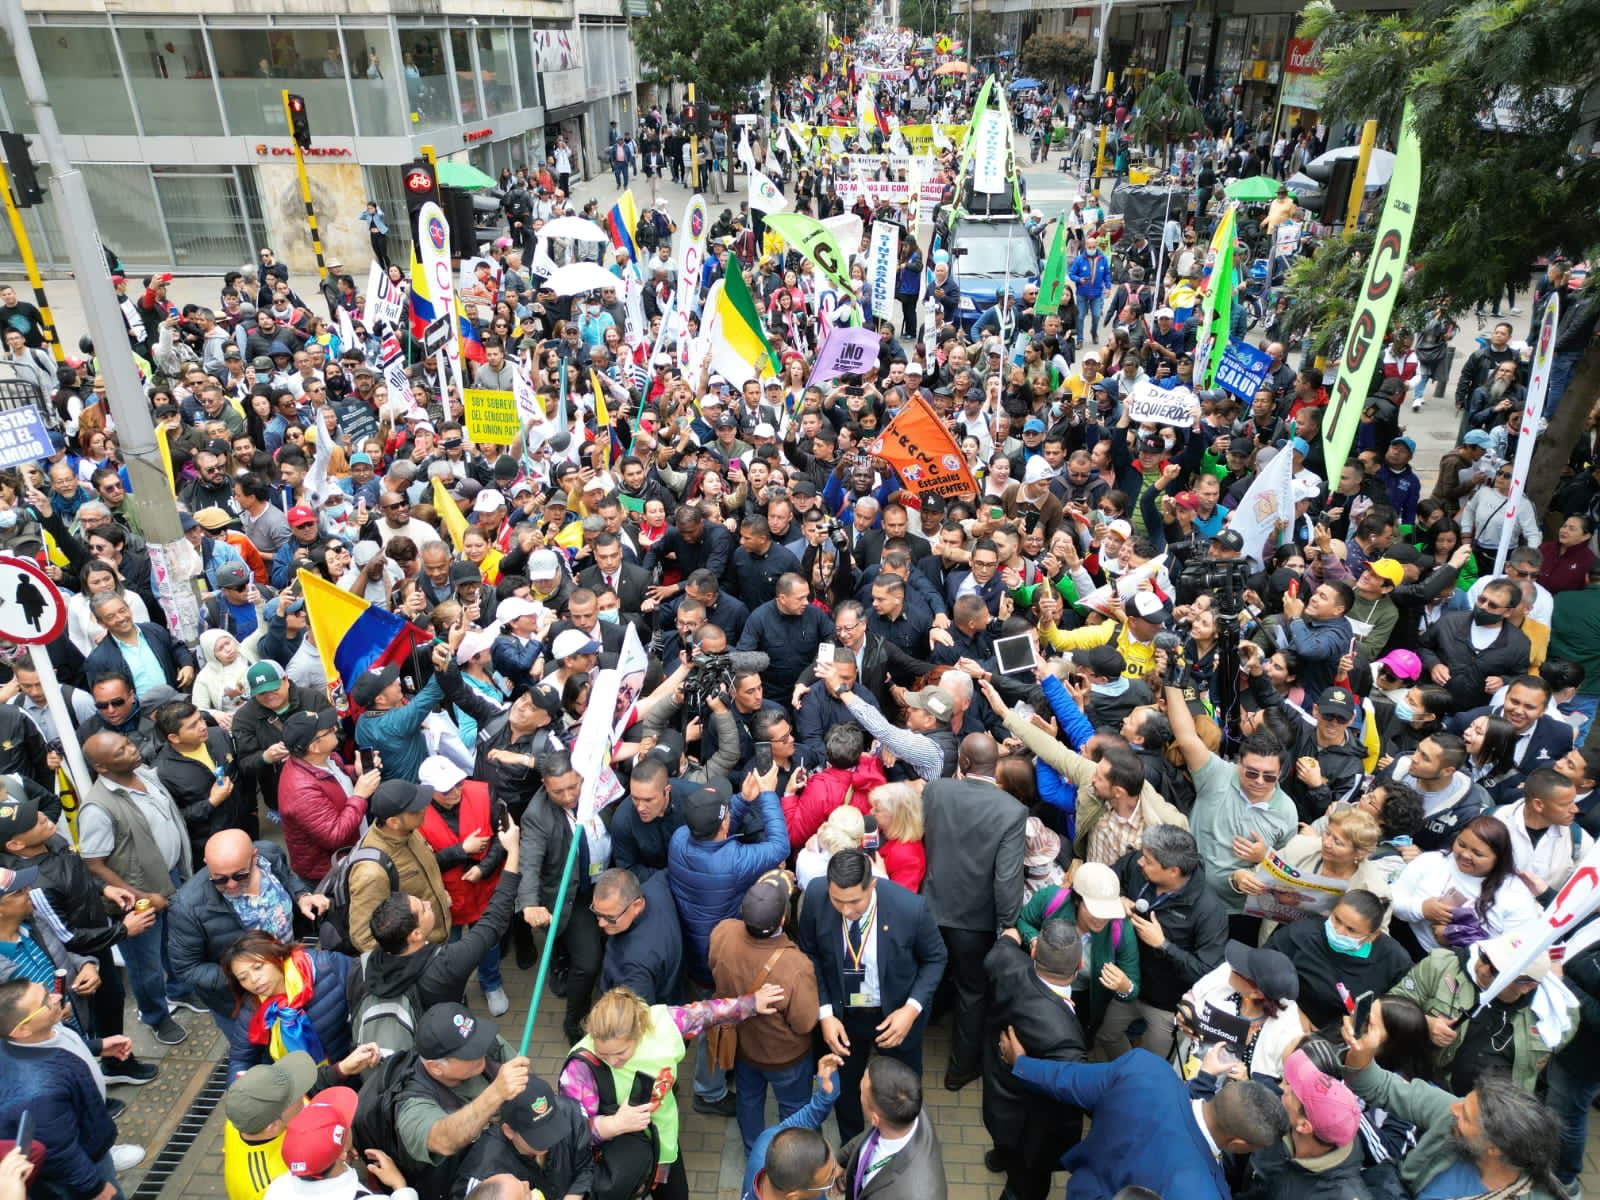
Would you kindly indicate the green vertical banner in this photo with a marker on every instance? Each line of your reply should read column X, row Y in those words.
column 1217, row 310
column 1363, row 345
column 970, row 135
column 1053, row 283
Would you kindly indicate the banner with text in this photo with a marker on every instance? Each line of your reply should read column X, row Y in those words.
column 882, row 258
column 1242, row 370
column 924, row 453
column 1150, row 404
column 492, row 416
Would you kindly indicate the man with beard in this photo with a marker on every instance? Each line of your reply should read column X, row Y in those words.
column 1498, row 399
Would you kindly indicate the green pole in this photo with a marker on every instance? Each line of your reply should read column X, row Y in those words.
column 550, row 940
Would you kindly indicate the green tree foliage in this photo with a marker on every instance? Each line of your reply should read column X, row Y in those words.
column 1165, row 113
column 1499, row 89
column 846, row 17
column 1058, row 58
column 724, row 46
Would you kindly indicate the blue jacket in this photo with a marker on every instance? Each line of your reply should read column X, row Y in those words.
column 1404, row 490
column 514, row 659
column 329, row 1012
column 1320, row 645
column 790, row 643
column 908, row 280
column 1093, row 276
column 820, row 712
column 810, row 1117
column 911, row 951
column 69, row 1116
column 709, row 879
column 1130, row 1100
column 396, row 733
column 649, row 957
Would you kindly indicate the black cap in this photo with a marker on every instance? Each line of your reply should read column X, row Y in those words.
column 704, row 812
column 804, row 488
column 369, row 683
column 1102, row 660
column 533, row 1116
column 1151, row 443
column 505, row 467
column 1229, row 539
column 395, row 797
column 18, row 814
column 464, row 572
column 547, row 699
column 1269, row 970
column 1337, row 702
column 1403, row 553
column 668, row 748
column 451, row 1031
column 765, row 904
column 300, row 728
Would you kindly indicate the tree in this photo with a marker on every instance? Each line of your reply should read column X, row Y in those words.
column 1165, row 114
column 1500, row 94
column 725, row 46
column 846, row 17
column 1058, row 58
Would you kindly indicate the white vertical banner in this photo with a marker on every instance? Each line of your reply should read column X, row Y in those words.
column 691, row 257
column 1269, row 500
column 881, row 262
column 434, row 249
column 1532, row 413
column 989, row 162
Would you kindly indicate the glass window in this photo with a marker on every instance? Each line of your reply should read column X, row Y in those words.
column 496, row 71
column 1230, row 49
column 171, row 77
column 126, row 217
column 80, row 64
column 428, row 91
column 213, row 214
column 466, row 88
column 372, row 79
column 384, row 185
column 527, row 69
column 254, row 67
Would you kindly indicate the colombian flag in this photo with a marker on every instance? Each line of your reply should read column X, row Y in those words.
column 424, row 310
column 352, row 635
column 471, row 343
column 621, row 221
column 570, row 538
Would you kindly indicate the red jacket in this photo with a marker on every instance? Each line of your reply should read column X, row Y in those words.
column 319, row 817
column 467, row 900
column 906, row 863
column 826, row 791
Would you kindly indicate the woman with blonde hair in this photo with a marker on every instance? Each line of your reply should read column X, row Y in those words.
column 897, row 807
column 1341, row 851
column 845, row 829
column 632, row 1052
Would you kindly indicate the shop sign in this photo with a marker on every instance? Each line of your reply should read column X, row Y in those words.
column 263, row 150
column 476, row 135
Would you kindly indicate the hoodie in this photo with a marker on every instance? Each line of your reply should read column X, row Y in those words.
column 438, row 974
column 1443, row 812
column 1279, row 1175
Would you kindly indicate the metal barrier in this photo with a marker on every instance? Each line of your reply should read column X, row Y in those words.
column 18, row 392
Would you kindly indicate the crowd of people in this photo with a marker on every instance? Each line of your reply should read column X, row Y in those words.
column 1218, row 851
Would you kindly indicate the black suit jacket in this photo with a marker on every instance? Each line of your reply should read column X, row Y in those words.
column 915, row 1173
column 973, row 835
column 911, row 954
column 1041, row 1130
column 632, row 581
column 1550, row 742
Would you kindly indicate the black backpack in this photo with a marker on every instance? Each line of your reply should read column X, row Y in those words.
column 378, row 1105
column 625, row 1166
column 334, row 931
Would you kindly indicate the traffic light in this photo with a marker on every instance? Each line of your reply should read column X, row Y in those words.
column 691, row 115
column 24, row 179
column 299, row 122
column 420, row 184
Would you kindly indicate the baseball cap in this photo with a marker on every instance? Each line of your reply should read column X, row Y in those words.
column 914, row 368
column 488, row 501
column 1408, row 443
column 299, row 515
column 1148, row 606
column 1187, row 500
column 1229, row 539
column 367, row 686
column 703, row 812
column 318, row 1136
column 213, row 518
column 934, row 701
column 1478, row 438
column 464, row 572
column 1336, row 702
column 1163, row 312
column 186, row 521
column 1037, row 470
column 544, row 565
column 474, row 643
column 1102, row 660
column 1331, row 1108
column 439, row 773
column 233, row 574
column 1503, row 950
column 263, row 677
column 764, row 905
column 12, row 882
column 1269, row 970
column 546, row 699
column 727, row 422
column 763, row 430
column 359, row 457
column 514, row 608
column 261, row 363
column 1096, row 887
column 259, row 1096
column 1403, row 553
column 533, row 1115
column 1121, row 528
column 1387, row 568
column 1033, row 425
column 573, row 641
column 1299, row 445
column 18, row 814
column 1151, row 443
column 300, row 728
column 395, row 797
column 1402, row 664
column 450, row 1030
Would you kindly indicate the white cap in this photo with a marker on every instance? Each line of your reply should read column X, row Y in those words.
column 488, row 501
column 364, row 552
column 602, row 481
column 1121, row 528
column 1037, row 470
column 439, row 773
column 573, row 641
column 1304, row 489
column 474, row 643
column 514, row 608
column 763, row 429
column 543, row 564
column 1163, row 312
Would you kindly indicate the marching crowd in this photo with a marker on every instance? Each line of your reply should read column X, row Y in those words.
column 1232, row 856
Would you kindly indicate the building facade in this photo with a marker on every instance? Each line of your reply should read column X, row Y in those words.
column 176, row 116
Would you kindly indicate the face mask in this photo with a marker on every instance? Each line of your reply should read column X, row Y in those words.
column 1341, row 943
column 1404, row 712
column 8, row 519
column 1484, row 618
column 609, row 615
column 1115, row 688
column 338, row 512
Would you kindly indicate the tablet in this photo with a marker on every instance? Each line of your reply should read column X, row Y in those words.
column 1015, row 654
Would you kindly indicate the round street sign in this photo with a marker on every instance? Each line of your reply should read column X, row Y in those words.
column 31, row 608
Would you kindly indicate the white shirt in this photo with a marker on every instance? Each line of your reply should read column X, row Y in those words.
column 886, row 1148
column 869, row 960
column 1551, row 858
column 1434, row 875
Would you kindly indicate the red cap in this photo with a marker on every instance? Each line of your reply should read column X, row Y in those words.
column 318, row 1135
column 301, row 515
column 1187, row 500
column 119, row 279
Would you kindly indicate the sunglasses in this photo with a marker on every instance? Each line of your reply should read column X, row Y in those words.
column 105, row 704
column 1256, row 776
column 237, row 877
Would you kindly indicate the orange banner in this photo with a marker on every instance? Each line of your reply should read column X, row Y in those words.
column 925, row 453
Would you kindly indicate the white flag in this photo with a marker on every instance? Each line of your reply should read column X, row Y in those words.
column 746, row 156
column 765, row 196
column 1269, row 500
column 835, row 144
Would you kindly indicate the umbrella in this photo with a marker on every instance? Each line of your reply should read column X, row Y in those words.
column 574, row 279
column 1305, row 189
column 464, row 176
column 574, row 227
column 1258, row 189
column 1022, row 85
column 956, row 67
column 1379, row 167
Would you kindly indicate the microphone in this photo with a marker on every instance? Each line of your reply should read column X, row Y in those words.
column 1141, row 906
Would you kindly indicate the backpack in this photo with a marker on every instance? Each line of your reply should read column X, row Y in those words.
column 377, row 1105
column 334, row 931
column 390, row 1021
column 625, row 1166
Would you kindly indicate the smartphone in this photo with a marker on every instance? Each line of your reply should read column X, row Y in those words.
column 1363, row 1011
column 763, row 761
column 824, row 653
column 502, row 815
column 1294, row 588
column 25, row 1131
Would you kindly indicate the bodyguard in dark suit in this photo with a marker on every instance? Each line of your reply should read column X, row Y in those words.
column 644, row 945
column 629, row 581
column 973, row 835
column 690, row 545
column 1542, row 740
column 899, row 1158
column 1031, row 997
column 878, row 957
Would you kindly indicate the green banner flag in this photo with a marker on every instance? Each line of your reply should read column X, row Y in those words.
column 971, row 132
column 815, row 241
column 1053, row 283
column 1217, row 309
column 1363, row 345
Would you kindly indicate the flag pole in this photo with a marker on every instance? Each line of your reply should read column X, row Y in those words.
column 550, row 940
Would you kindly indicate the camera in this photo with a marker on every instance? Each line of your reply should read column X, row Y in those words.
column 1225, row 578
column 709, row 675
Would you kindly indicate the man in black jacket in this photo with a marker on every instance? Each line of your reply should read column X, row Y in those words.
column 644, row 944
column 197, row 766
column 1182, row 930
column 118, row 710
column 28, row 839
column 1030, row 998
column 1466, row 652
column 257, row 727
column 542, row 1138
column 692, row 544
column 405, row 962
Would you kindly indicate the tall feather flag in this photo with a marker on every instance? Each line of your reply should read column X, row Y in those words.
column 455, row 521
column 741, row 350
column 353, row 636
column 1217, row 310
column 621, row 221
column 604, row 434
column 1053, row 284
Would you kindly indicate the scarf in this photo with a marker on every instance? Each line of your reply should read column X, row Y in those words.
column 283, row 1023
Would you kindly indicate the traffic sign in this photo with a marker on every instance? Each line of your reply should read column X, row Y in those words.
column 436, row 335
column 32, row 611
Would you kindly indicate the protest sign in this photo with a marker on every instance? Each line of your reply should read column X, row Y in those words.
column 1242, row 370
column 845, row 352
column 1292, row 893
column 23, row 437
column 882, row 259
column 1149, row 404
column 918, row 446
column 491, row 416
